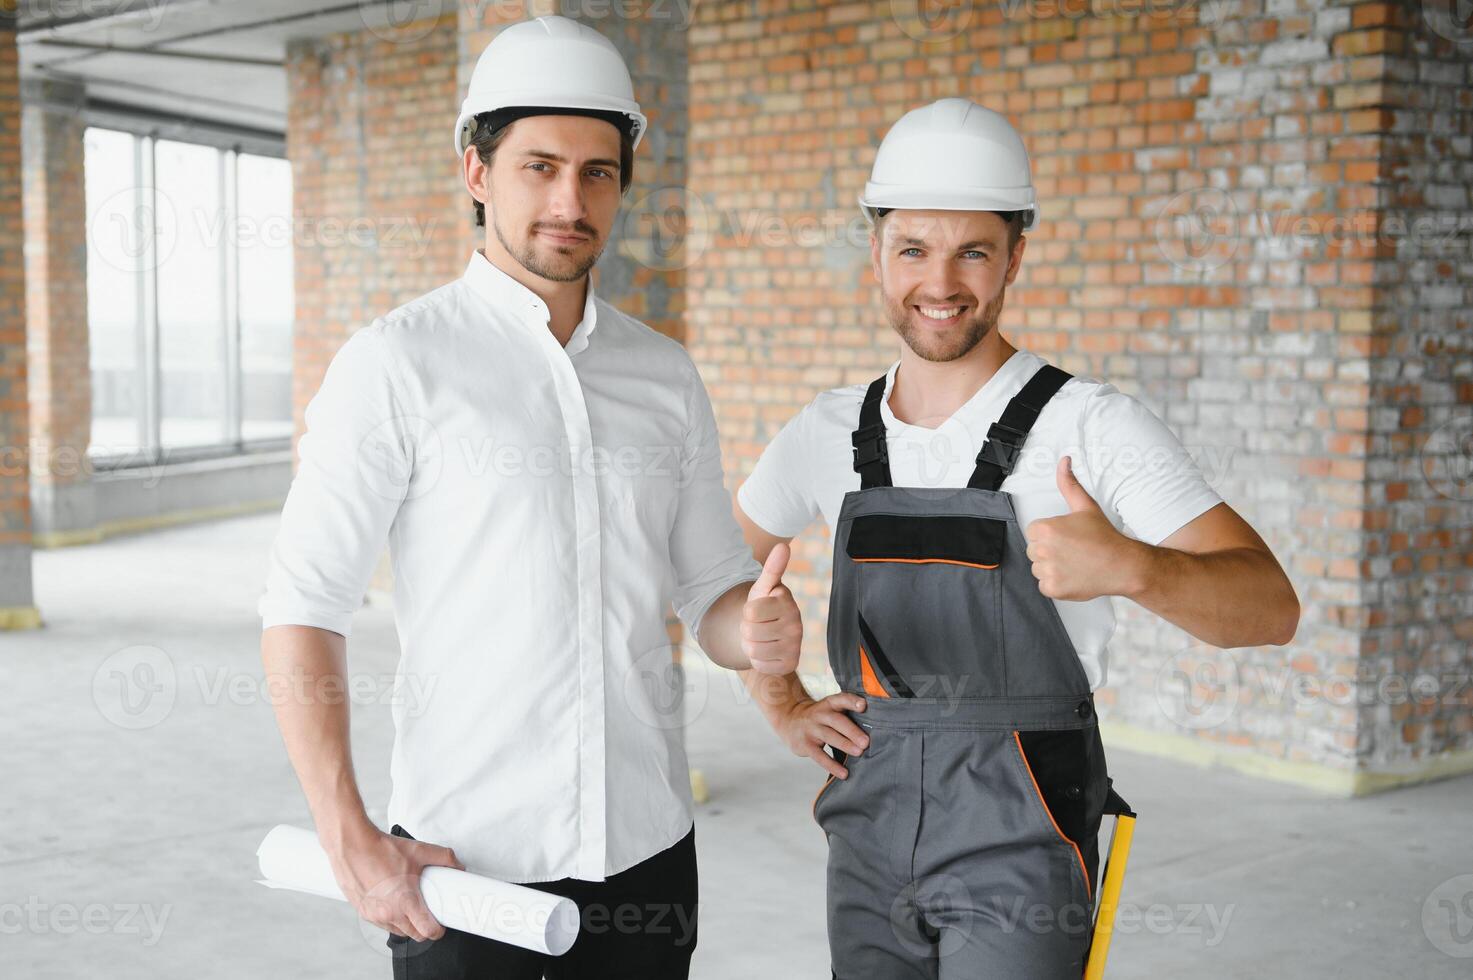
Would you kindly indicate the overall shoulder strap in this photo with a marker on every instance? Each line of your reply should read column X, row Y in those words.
column 871, row 459
column 1006, row 436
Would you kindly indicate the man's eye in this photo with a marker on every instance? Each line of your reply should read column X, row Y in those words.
column 911, row 249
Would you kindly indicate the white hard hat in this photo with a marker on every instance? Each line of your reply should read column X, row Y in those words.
column 549, row 62
column 953, row 155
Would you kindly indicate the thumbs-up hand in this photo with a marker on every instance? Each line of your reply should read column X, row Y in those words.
column 772, row 629
column 1079, row 555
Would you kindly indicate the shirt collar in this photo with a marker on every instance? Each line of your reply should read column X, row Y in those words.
column 510, row 296
column 965, row 415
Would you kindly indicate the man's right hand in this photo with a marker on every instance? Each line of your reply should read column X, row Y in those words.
column 379, row 874
column 810, row 725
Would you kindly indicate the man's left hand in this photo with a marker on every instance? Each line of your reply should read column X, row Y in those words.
column 1080, row 555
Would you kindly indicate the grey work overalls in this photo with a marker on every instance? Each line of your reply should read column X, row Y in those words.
column 964, row 843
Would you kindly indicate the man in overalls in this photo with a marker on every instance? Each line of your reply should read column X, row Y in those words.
column 976, row 497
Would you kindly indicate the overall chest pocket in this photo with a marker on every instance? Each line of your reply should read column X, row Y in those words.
column 929, row 602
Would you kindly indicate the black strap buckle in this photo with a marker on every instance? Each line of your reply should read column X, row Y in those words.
column 1000, row 450
column 869, row 445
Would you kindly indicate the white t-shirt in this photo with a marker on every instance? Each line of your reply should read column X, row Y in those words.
column 1134, row 467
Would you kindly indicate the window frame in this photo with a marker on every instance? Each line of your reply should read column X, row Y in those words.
column 230, row 145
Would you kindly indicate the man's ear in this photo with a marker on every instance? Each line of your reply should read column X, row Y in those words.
column 476, row 174
column 1016, row 261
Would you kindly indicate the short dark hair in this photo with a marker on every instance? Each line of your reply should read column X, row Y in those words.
column 1014, row 219
column 486, row 139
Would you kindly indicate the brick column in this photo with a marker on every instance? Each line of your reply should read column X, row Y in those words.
column 56, row 311
column 1415, row 568
column 17, row 608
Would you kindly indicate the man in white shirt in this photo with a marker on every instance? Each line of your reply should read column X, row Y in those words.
column 1111, row 504
column 547, row 474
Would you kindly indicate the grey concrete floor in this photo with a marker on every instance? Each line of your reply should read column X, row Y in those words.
column 143, row 766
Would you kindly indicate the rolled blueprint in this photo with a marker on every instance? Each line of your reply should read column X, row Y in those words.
column 291, row 857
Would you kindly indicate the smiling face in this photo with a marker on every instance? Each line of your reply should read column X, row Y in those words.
column 552, row 193
column 943, row 276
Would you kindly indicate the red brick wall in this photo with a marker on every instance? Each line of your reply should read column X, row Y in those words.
column 1416, row 569
column 56, row 301
column 15, row 503
column 374, row 188
column 1258, row 348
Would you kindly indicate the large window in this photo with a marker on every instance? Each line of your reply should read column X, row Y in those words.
column 189, row 297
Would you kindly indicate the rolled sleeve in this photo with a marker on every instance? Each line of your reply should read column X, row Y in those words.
column 354, row 468
column 1141, row 471
column 708, row 553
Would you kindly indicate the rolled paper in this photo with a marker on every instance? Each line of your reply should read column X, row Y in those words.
column 293, row 858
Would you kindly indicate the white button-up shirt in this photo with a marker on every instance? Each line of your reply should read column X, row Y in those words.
column 543, row 505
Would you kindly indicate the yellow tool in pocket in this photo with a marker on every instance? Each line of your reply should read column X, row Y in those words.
column 1109, row 900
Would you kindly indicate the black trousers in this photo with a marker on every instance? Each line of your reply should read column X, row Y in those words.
column 639, row 924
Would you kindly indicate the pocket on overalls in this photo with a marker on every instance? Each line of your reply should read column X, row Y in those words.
column 840, row 757
column 1058, row 766
column 928, row 586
